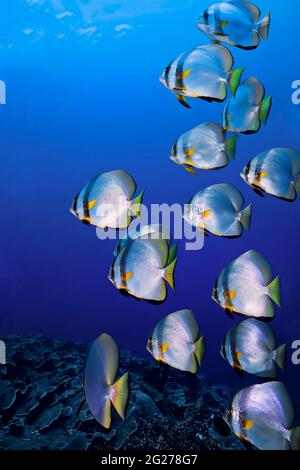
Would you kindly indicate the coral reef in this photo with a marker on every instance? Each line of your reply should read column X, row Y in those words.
column 41, row 403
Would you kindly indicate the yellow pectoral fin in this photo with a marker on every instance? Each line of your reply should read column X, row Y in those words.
column 127, row 276
column 190, row 151
column 92, row 204
column 223, row 23
column 263, row 174
column 248, row 424
column 184, row 74
column 164, row 347
column 206, row 213
column 231, row 294
column 239, row 355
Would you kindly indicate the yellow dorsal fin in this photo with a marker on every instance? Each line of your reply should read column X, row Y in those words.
column 127, row 276
column 86, row 219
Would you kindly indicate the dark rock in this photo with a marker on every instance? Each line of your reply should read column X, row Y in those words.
column 42, row 408
column 67, row 411
column 16, row 427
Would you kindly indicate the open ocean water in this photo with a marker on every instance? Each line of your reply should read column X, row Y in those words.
column 82, row 97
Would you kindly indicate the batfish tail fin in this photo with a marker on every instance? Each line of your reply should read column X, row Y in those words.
column 235, row 79
column 172, row 253
column 280, row 356
column 265, row 108
column 264, row 26
column 274, row 291
column 297, row 184
column 135, row 204
column 119, row 395
column 295, row 438
column 245, row 217
column 230, row 146
column 199, row 350
column 169, row 273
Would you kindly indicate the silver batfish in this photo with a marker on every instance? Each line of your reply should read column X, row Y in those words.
column 203, row 72
column 175, row 341
column 100, row 387
column 205, row 147
column 106, row 201
column 141, row 267
column 250, row 347
column 276, row 172
column 248, row 109
column 218, row 210
column 235, row 22
column 245, row 286
column 263, row 415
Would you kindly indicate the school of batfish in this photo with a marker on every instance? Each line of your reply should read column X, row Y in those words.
column 145, row 260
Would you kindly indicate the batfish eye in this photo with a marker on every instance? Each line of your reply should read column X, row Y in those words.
column 247, row 169
column 167, row 70
column 257, row 173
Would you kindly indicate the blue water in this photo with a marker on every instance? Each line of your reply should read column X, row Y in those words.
column 76, row 108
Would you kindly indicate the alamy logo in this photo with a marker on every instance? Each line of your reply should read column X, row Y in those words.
column 185, row 223
column 296, row 93
column 296, row 353
column 2, row 353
